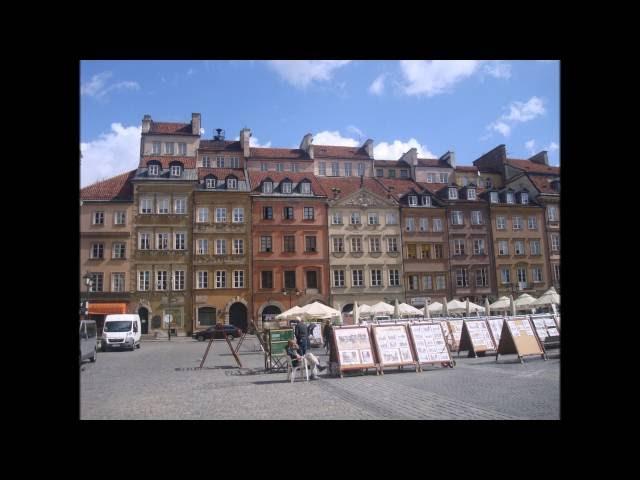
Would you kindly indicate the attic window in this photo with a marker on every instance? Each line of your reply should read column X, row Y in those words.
column 267, row 187
column 493, row 197
column 524, row 198
column 153, row 169
column 453, row 193
column 305, row 187
column 176, row 170
column 413, row 200
column 232, row 183
column 426, row 200
column 210, row 182
column 471, row 194
column 286, row 187
column 510, row 198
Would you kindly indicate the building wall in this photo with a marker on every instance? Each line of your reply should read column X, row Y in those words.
column 302, row 166
column 421, row 173
column 368, row 166
column 192, row 143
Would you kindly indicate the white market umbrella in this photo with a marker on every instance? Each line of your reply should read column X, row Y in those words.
column 406, row 309
column 396, row 310
column 456, row 306
column 382, row 307
column 550, row 297
column 513, row 306
column 524, row 301
column 292, row 313
column 474, row 308
column 356, row 314
column 487, row 309
column 435, row 307
column 364, row 308
column 501, row 304
column 317, row 310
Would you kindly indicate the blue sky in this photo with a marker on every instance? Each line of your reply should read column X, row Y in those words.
column 468, row 107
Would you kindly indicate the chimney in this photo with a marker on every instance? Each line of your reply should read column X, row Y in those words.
column 146, row 124
column 542, row 158
column 245, row 135
column 368, row 147
column 450, row 158
column 390, row 194
column 411, row 157
column 306, row 145
column 195, row 124
column 220, row 135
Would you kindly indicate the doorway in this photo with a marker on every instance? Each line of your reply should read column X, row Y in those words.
column 238, row 316
column 144, row 319
column 269, row 313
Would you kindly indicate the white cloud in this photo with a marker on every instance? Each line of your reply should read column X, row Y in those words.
column 301, row 73
column 552, row 147
column 498, row 69
column 433, row 77
column 254, row 142
column 394, row 150
column 519, row 112
column 501, row 127
column 97, row 86
column 377, row 86
column 530, row 146
column 202, row 132
column 113, row 153
column 333, row 138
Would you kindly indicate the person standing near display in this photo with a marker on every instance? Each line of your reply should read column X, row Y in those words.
column 302, row 336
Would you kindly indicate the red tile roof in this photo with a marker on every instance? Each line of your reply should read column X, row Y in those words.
column 277, row 153
column 466, row 168
column 221, row 173
column 391, row 163
column 167, row 128
column 543, row 183
column 220, row 145
column 529, row 166
column 348, row 185
column 400, row 186
column 114, row 188
column 256, row 179
column 432, row 187
column 165, row 160
column 432, row 162
column 332, row 151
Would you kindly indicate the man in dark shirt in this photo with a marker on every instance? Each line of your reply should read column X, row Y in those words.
column 302, row 336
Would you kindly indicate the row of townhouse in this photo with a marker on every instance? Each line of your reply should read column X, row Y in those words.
column 212, row 230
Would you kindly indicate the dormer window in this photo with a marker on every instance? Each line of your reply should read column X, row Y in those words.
column 286, row 187
column 267, row 187
column 413, row 200
column 524, row 198
column 154, row 169
column 210, row 182
column 493, row 197
column 453, row 193
column 510, row 197
column 232, row 183
column 426, row 200
column 176, row 170
column 471, row 194
column 305, row 187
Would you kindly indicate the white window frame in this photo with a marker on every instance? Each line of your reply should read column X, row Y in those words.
column 203, row 215
column 118, row 253
column 376, row 278
column 337, row 244
column 373, row 218
column 120, row 218
column 206, row 162
column 505, row 275
column 444, row 177
column 163, row 203
column 524, row 198
column 178, row 280
column 392, row 244
column 117, row 281
column 202, row 246
column 322, row 169
column 457, row 217
column 238, row 246
column 536, row 274
column 357, row 278
column 267, row 187
column 232, row 184
column 176, row 170
column 441, row 282
column 555, row 242
column 471, row 193
column 98, row 215
column 536, row 250
column 221, row 246
column 493, row 197
column 552, row 213
column 532, row 223
column 97, row 251
column 335, row 169
column 144, row 278
column 521, row 274
column 279, row 167
column 516, row 223
column 347, row 169
column 356, row 244
column 427, row 282
column 338, row 278
column 413, row 200
column 510, row 198
column 394, row 277
column 374, row 245
column 286, row 187
column 503, row 247
column 478, row 246
column 431, row 177
column 379, row 172
column 156, row 148
column 410, row 224
column 162, row 240
column 221, row 279
column 202, row 279
column 459, row 246
column 144, row 240
column 210, row 183
column 179, row 240
column 426, row 200
column 437, row 225
column 168, row 148
column 221, row 215
column 305, row 188
column 413, row 282
column 238, row 279
column 354, row 219
column 360, row 169
column 235, row 162
column 264, row 167
column 501, row 223
column 154, row 169
column 476, row 217
column 453, row 193
column 424, row 224
column 238, row 215
column 336, row 218
column 180, row 206
column 482, row 279
column 220, row 162
column 462, row 278
column 391, row 218
column 518, row 247
column 306, row 211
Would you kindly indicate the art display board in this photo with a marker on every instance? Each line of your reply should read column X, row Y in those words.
column 277, row 339
column 495, row 327
column 545, row 326
column 518, row 337
column 476, row 338
column 393, row 347
column 353, row 348
column 429, row 343
column 447, row 333
column 455, row 329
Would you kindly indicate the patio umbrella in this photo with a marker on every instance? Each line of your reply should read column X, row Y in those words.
column 317, row 310
column 487, row 309
column 513, row 306
column 524, row 301
column 456, row 306
column 550, row 297
column 356, row 314
column 382, row 307
column 406, row 309
column 290, row 314
column 445, row 312
column 473, row 308
column 435, row 307
column 364, row 308
column 396, row 310
column 501, row 304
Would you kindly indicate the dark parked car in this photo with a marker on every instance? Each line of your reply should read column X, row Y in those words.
column 217, row 331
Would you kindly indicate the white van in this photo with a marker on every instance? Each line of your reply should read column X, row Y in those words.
column 88, row 340
column 121, row 331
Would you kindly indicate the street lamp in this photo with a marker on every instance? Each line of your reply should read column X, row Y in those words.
column 286, row 292
column 88, row 281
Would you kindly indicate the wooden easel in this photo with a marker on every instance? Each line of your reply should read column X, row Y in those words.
column 226, row 338
column 255, row 329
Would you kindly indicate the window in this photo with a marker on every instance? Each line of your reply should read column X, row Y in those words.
column 206, row 163
column 210, row 182
column 453, row 193
column 410, row 224
column 412, row 250
column 220, row 162
column 221, row 215
column 456, row 218
column 118, row 250
column 338, row 244
column 440, row 282
column 203, row 279
column 312, row 278
column 471, row 194
column 444, row 178
column 424, row 224
column 458, row 246
column 265, row 244
column 516, row 223
column 356, row 244
column 533, row 223
column 535, row 247
column 338, row 278
column 425, row 250
column 392, row 218
column 394, row 278
column 168, row 148
column 161, row 280
column 97, row 250
column 235, row 162
column 462, row 278
column 203, row 215
column 290, row 279
column 119, row 218
column 322, row 168
column 392, row 173
column 437, row 251
column 221, row 247
column 555, row 242
column 501, row 223
column 117, row 282
column 162, row 241
column 238, row 279
column 356, row 278
column 267, row 213
column 305, row 188
column 179, row 240
column 178, row 280
column 336, row 218
column 279, row 167
column 163, row 205
column 413, row 282
column 524, row 198
column 289, row 243
column 437, row 224
column 427, row 282
column 426, row 201
column 481, row 277
column 267, row 187
column 310, row 244
column 308, row 213
column 374, row 244
column 144, row 241
column 413, row 200
column 376, row 278
column 155, row 148
column 404, row 173
column 392, row 244
column 476, row 218
column 232, row 183
column 556, row 272
column 509, row 197
column 286, row 187
column 238, row 246
column 360, row 169
column 203, row 246
column 266, row 279
column 180, row 206
column 238, row 215
column 335, row 169
column 221, row 279
column 263, row 167
column 379, row 172
column 294, row 167
column 493, row 197
column 154, row 169
column 552, row 214
column 373, row 218
column 176, row 170
column 478, row 246
column 536, row 274
column 431, row 177
column 143, row 281
column 519, row 247
column 522, row 274
column 503, row 247
column 347, row 169
column 98, row 218
column 287, row 213
column 505, row 275
column 355, row 218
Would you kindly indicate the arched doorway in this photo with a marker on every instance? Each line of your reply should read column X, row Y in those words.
column 347, row 308
column 269, row 313
column 238, row 316
column 144, row 319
